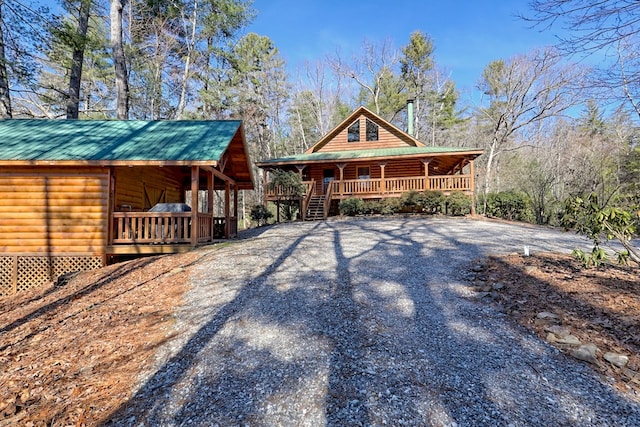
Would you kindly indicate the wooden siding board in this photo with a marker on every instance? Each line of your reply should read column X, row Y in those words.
column 36, row 218
column 131, row 182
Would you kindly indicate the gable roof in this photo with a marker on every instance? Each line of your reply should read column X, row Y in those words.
column 118, row 142
column 411, row 141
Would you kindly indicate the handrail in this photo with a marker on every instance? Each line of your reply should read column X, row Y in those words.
column 327, row 201
column 305, row 202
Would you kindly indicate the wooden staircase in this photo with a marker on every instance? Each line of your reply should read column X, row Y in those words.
column 315, row 210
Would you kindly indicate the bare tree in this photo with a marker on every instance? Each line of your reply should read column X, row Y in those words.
column 372, row 71
column 609, row 28
column 77, row 59
column 521, row 92
column 5, row 96
column 119, row 61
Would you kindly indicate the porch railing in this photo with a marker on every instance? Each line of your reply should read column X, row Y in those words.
column 168, row 227
column 151, row 227
column 311, row 189
column 390, row 186
column 273, row 192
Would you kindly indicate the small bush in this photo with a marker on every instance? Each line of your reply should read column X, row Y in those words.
column 431, row 201
column 351, row 207
column 391, row 205
column 260, row 214
column 509, row 205
column 372, row 207
column 411, row 202
column 458, row 204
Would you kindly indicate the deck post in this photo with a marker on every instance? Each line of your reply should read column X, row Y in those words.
column 383, row 185
column 195, row 186
column 210, row 185
column 426, row 162
column 264, row 187
column 341, row 166
column 235, row 206
column 227, row 209
column 473, row 186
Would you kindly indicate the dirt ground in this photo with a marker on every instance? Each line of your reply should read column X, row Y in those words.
column 70, row 354
column 597, row 305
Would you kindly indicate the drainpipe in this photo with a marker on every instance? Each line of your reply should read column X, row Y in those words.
column 410, row 119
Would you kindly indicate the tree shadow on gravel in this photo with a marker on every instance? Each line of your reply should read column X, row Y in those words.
column 362, row 323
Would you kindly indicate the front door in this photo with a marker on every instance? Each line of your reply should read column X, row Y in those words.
column 328, row 175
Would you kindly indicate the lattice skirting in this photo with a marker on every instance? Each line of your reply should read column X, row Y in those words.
column 22, row 272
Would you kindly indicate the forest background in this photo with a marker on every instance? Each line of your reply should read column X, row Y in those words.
column 553, row 125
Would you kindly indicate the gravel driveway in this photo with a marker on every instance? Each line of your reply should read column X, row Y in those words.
column 364, row 323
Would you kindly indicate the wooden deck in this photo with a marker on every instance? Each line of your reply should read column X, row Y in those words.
column 382, row 188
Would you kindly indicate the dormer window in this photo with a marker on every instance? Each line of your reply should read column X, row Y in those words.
column 372, row 131
column 353, row 133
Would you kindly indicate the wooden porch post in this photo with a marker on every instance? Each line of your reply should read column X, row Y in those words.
column 227, row 209
column 383, row 184
column 473, row 186
column 264, row 187
column 427, row 185
column 235, row 205
column 210, row 184
column 195, row 181
column 341, row 166
column 300, row 169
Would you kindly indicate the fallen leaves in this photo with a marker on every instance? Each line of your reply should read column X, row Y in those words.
column 72, row 353
column 599, row 306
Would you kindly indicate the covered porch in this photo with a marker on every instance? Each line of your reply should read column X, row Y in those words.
column 155, row 232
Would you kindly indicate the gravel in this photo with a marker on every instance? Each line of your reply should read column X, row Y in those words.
column 365, row 323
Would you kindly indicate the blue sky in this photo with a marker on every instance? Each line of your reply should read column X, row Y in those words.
column 467, row 34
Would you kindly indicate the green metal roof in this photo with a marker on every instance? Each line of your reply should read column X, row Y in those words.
column 365, row 154
column 111, row 140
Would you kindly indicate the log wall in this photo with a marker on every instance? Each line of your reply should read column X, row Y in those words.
column 52, row 221
column 387, row 138
column 138, row 189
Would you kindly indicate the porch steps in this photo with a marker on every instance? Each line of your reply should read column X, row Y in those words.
column 315, row 209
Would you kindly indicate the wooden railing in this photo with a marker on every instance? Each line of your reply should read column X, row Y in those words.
column 311, row 189
column 389, row 186
column 450, row 183
column 403, row 185
column 151, row 227
column 327, row 201
column 219, row 224
column 272, row 193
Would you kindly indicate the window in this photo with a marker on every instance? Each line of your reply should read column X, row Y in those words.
column 372, row 131
column 363, row 173
column 354, row 132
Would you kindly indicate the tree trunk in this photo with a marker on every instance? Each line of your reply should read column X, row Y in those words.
column 79, row 44
column 5, row 97
column 119, row 61
column 487, row 175
column 187, row 63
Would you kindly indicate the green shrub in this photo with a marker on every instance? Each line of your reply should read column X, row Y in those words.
column 510, row 205
column 260, row 214
column 431, row 201
column 458, row 203
column 411, row 202
column 351, row 207
column 391, row 205
column 371, row 207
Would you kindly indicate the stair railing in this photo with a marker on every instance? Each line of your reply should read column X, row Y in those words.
column 311, row 189
column 327, row 201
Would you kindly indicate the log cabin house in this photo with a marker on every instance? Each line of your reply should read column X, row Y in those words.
column 75, row 195
column 367, row 157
